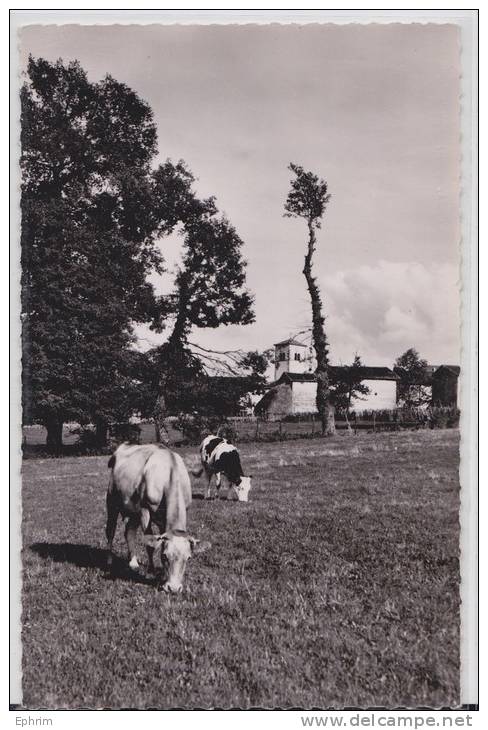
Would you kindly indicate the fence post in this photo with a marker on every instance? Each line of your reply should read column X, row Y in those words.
column 257, row 429
column 281, row 434
column 313, row 423
column 355, row 423
column 374, row 422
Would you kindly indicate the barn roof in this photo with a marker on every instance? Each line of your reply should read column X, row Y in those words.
column 431, row 371
column 290, row 342
column 365, row 373
column 454, row 369
column 297, row 378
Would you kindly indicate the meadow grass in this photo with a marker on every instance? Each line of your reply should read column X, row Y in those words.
column 336, row 585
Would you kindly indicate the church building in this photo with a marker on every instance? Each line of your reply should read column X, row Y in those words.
column 294, row 388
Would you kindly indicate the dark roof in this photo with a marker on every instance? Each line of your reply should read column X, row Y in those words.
column 265, row 401
column 454, row 369
column 290, row 342
column 366, row 373
column 296, row 378
column 431, row 371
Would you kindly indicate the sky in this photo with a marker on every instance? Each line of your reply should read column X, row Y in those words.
column 372, row 109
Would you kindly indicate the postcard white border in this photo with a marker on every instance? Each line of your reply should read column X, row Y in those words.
column 467, row 21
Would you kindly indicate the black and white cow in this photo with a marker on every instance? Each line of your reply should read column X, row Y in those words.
column 219, row 457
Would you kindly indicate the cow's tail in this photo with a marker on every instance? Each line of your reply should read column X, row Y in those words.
column 196, row 473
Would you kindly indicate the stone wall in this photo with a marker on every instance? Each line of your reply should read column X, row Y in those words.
column 280, row 401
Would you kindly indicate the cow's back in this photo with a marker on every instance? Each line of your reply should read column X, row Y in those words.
column 165, row 474
column 128, row 463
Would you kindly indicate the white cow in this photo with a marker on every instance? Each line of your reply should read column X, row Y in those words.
column 149, row 485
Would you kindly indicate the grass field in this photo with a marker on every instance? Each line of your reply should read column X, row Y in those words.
column 336, row 585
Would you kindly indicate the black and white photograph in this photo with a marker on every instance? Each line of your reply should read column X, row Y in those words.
column 242, row 385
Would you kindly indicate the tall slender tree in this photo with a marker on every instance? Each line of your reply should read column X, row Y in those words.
column 307, row 199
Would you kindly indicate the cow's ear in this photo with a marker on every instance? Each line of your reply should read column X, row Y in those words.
column 198, row 546
column 153, row 540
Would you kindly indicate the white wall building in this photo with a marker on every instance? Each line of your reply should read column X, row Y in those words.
column 294, row 390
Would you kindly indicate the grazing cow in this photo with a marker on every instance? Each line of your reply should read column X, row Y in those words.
column 219, row 457
column 149, row 485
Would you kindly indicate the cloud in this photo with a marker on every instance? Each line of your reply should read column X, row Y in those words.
column 383, row 309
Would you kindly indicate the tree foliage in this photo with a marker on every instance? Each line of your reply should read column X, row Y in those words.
column 307, row 199
column 209, row 285
column 93, row 209
column 412, row 371
column 308, row 196
column 87, row 242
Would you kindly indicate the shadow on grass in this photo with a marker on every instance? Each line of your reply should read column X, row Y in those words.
column 213, row 497
column 86, row 556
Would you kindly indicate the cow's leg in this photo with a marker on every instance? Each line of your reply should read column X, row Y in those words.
column 156, row 569
column 112, row 516
column 130, row 536
column 209, row 479
column 218, row 479
column 147, row 530
column 150, row 552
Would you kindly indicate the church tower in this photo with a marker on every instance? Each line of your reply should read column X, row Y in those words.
column 291, row 357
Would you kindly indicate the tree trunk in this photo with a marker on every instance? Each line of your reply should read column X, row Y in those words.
column 101, row 431
column 162, row 435
column 330, row 429
column 174, row 346
column 181, row 327
column 54, row 440
column 325, row 410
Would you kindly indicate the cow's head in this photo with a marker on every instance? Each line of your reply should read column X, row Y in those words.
column 243, row 488
column 176, row 547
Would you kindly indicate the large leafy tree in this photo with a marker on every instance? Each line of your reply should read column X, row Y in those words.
column 93, row 209
column 413, row 377
column 89, row 226
column 307, row 199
